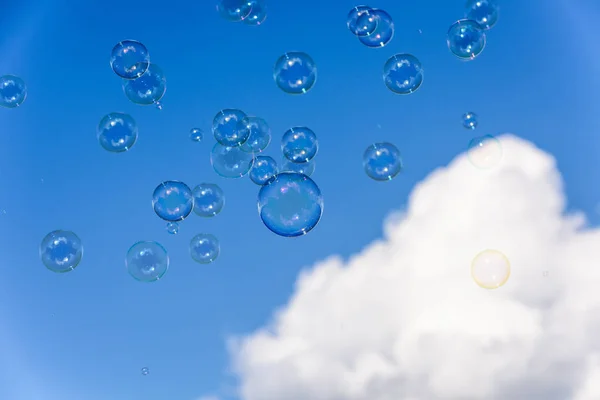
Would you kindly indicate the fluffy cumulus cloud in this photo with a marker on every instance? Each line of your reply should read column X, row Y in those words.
column 403, row 320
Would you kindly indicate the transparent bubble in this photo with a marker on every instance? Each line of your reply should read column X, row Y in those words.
column 306, row 168
column 382, row 161
column 484, row 12
column 258, row 13
column 466, row 39
column 299, row 144
column 230, row 162
column 172, row 201
column 13, row 91
column 490, row 269
column 383, row 33
column 172, row 228
column 263, row 169
column 209, row 199
column 368, row 26
column 485, row 152
column 295, row 73
column 147, row 261
column 129, row 59
column 234, row 10
column 147, row 89
column 469, row 120
column 204, row 248
column 290, row 204
column 226, row 130
column 117, row 132
column 196, row 134
column 403, row 74
column 61, row 251
column 259, row 134
column 145, row 371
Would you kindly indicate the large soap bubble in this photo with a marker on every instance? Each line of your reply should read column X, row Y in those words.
column 147, row 261
column 148, row 89
column 129, row 59
column 61, row 251
column 117, row 132
column 13, row 91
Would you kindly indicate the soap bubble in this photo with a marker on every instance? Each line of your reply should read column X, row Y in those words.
column 484, row 12
column 145, row 371
column 484, row 152
column 259, row 134
column 117, row 132
column 226, row 130
column 466, row 39
column 295, row 73
column 305, row 168
column 403, row 74
column 147, row 89
column 290, row 204
column 490, row 269
column 383, row 33
column 258, row 13
column 13, row 91
column 299, row 144
column 209, row 199
column 469, row 120
column 147, row 261
column 204, row 248
column 172, row 201
column 368, row 24
column 230, row 162
column 196, row 134
column 172, row 228
column 61, row 251
column 129, row 59
column 234, row 10
column 382, row 161
column 263, row 169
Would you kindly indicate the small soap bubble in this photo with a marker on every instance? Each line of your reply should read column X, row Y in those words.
column 204, row 248
column 145, row 371
column 299, row 144
column 226, row 127
column 290, row 204
column 484, row 152
column 13, row 91
column 490, row 269
column 368, row 24
column 295, row 73
column 484, row 12
column 117, row 132
column 61, row 251
column 305, row 168
column 196, row 134
column 546, row 273
column 172, row 228
column 258, row 13
column 172, row 201
column 148, row 89
column 403, row 74
column 230, row 162
column 129, row 59
column 234, row 10
column 147, row 261
column 469, row 120
column 382, row 161
column 384, row 31
column 466, row 39
column 259, row 134
column 209, row 199
column 263, row 169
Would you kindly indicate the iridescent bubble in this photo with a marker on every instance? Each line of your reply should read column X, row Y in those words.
column 383, row 33
column 147, row 261
column 484, row 12
column 196, row 134
column 13, row 91
column 299, row 144
column 368, row 24
column 204, row 248
column 485, row 152
column 263, row 169
column 490, row 269
column 209, row 199
column 147, row 89
column 234, row 10
column 290, row 204
column 259, row 134
column 382, row 161
column 173, row 201
column 145, row 371
column 230, row 162
column 258, row 13
column 172, row 228
column 117, row 132
column 403, row 74
column 295, row 73
column 469, row 120
column 129, row 59
column 61, row 251
column 225, row 127
column 466, row 39
column 305, row 168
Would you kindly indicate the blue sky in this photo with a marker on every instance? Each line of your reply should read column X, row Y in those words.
column 88, row 333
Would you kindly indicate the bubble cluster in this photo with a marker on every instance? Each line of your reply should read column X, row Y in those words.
column 61, row 251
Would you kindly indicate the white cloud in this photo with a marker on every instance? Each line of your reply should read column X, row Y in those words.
column 208, row 398
column 403, row 320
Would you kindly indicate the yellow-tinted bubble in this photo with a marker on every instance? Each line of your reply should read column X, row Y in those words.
column 490, row 269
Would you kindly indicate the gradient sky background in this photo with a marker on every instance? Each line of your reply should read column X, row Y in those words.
column 87, row 334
